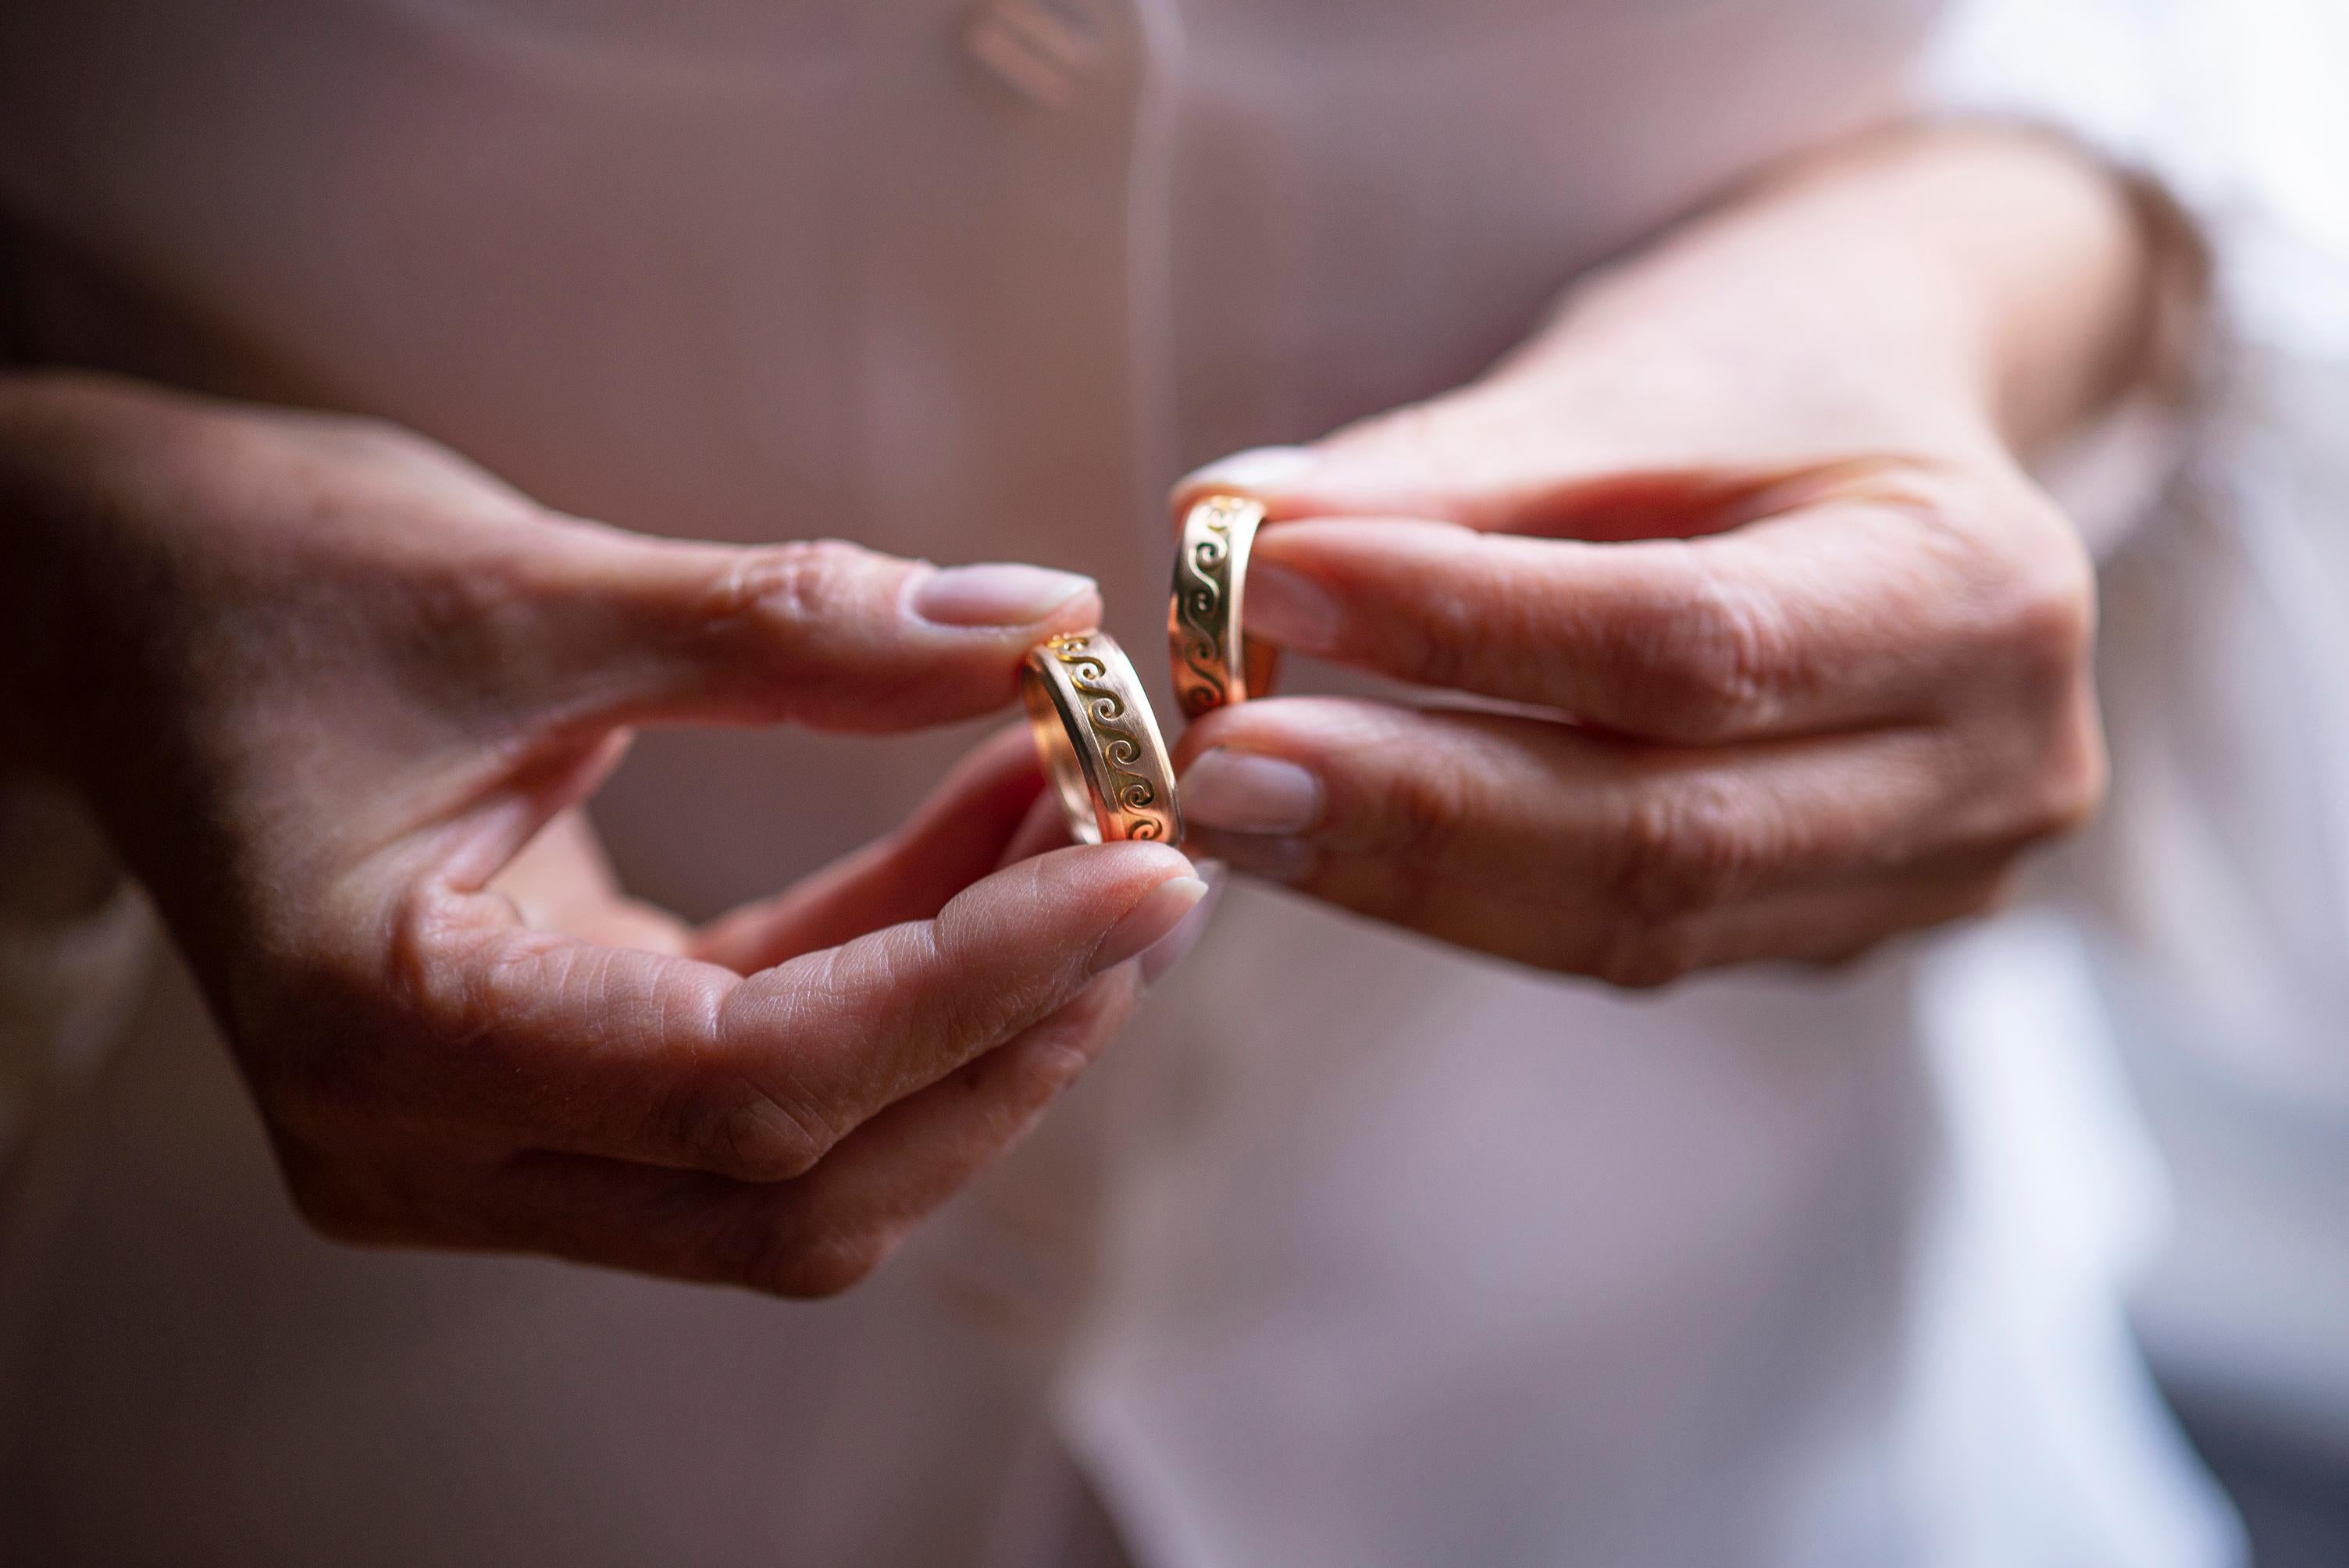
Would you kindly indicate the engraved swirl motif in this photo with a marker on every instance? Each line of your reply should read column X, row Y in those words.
column 1199, row 597
column 1119, row 749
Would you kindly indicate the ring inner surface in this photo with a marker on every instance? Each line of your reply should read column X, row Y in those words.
column 1215, row 663
column 1258, row 664
column 1048, row 720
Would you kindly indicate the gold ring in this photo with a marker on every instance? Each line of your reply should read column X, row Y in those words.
column 1214, row 663
column 1101, row 745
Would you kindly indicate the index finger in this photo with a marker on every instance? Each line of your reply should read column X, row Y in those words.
column 551, row 1043
column 1841, row 614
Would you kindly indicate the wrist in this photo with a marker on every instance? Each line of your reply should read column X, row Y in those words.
column 1991, row 283
column 2049, row 250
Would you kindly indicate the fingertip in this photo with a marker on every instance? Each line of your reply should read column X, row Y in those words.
column 1294, row 609
column 1097, row 885
column 1257, row 472
column 1160, row 959
column 1242, row 792
column 999, row 595
column 821, row 632
column 1156, row 917
column 1132, row 864
column 1153, row 862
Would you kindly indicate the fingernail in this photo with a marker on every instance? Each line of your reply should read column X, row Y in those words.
column 997, row 593
column 1161, row 909
column 1240, row 793
column 1161, row 956
column 1269, row 856
column 1257, row 469
column 1292, row 609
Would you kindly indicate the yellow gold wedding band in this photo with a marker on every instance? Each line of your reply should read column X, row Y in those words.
column 1214, row 663
column 1101, row 745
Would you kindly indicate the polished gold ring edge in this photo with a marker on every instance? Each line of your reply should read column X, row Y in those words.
column 1099, row 741
column 1214, row 663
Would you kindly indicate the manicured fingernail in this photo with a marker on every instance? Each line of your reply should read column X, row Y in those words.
column 1257, row 469
column 997, row 593
column 1161, row 956
column 1244, row 794
column 1292, row 609
column 1161, row 909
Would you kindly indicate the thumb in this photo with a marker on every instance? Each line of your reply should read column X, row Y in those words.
column 1337, row 478
column 822, row 632
column 1500, row 458
column 1460, row 457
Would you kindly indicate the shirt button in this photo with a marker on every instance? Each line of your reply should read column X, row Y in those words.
column 1042, row 50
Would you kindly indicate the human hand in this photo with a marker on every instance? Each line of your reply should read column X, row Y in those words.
column 327, row 687
column 1798, row 655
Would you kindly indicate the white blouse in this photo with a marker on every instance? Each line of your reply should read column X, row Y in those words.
column 1357, row 1250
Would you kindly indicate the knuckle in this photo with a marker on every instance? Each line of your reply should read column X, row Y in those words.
column 1714, row 662
column 451, row 1003
column 1684, row 850
column 792, row 585
column 2028, row 585
column 1426, row 804
column 815, row 609
column 2048, row 608
column 1444, row 636
column 750, row 1134
column 485, row 608
column 485, row 600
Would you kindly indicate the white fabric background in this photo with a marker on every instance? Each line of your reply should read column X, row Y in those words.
column 1359, row 1251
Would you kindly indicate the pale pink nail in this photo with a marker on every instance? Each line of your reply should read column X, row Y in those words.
column 1161, row 956
column 1161, row 909
column 1244, row 794
column 1257, row 469
column 995, row 594
column 1292, row 610
column 1273, row 857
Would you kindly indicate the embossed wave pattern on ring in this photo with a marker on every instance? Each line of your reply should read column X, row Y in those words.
column 1098, row 740
column 1215, row 665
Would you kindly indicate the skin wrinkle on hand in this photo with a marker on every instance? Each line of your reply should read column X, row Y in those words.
column 257, row 606
column 1781, row 662
column 459, row 1029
